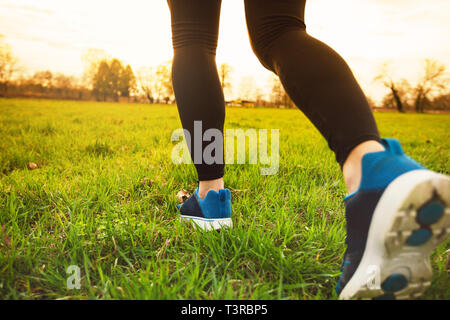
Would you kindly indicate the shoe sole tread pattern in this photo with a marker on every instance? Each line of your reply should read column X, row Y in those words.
column 410, row 221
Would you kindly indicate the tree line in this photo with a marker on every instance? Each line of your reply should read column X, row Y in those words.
column 430, row 92
column 106, row 78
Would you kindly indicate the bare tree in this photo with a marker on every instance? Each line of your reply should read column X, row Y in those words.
column 43, row 78
column 163, row 82
column 385, row 77
column 259, row 101
column 8, row 65
column 92, row 59
column 247, row 88
column 278, row 95
column 277, row 92
column 156, row 83
column 442, row 102
column 145, row 82
column 401, row 93
column 431, row 82
column 225, row 71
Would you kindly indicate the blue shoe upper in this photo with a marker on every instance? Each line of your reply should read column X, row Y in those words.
column 379, row 169
column 216, row 205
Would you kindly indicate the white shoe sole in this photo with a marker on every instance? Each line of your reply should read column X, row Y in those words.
column 396, row 258
column 209, row 224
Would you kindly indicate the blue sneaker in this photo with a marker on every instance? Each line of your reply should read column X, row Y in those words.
column 211, row 213
column 397, row 217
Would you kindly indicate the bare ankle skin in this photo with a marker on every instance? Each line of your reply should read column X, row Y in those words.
column 352, row 165
column 206, row 185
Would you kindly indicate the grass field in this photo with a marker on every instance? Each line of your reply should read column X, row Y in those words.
column 103, row 198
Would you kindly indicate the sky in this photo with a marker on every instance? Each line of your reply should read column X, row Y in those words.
column 54, row 34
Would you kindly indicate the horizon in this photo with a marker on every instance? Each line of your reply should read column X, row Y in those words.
column 54, row 35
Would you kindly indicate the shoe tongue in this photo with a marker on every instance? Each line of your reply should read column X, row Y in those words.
column 370, row 160
column 224, row 194
column 381, row 168
column 375, row 171
column 392, row 146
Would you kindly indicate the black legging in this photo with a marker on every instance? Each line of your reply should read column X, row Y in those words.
column 315, row 77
